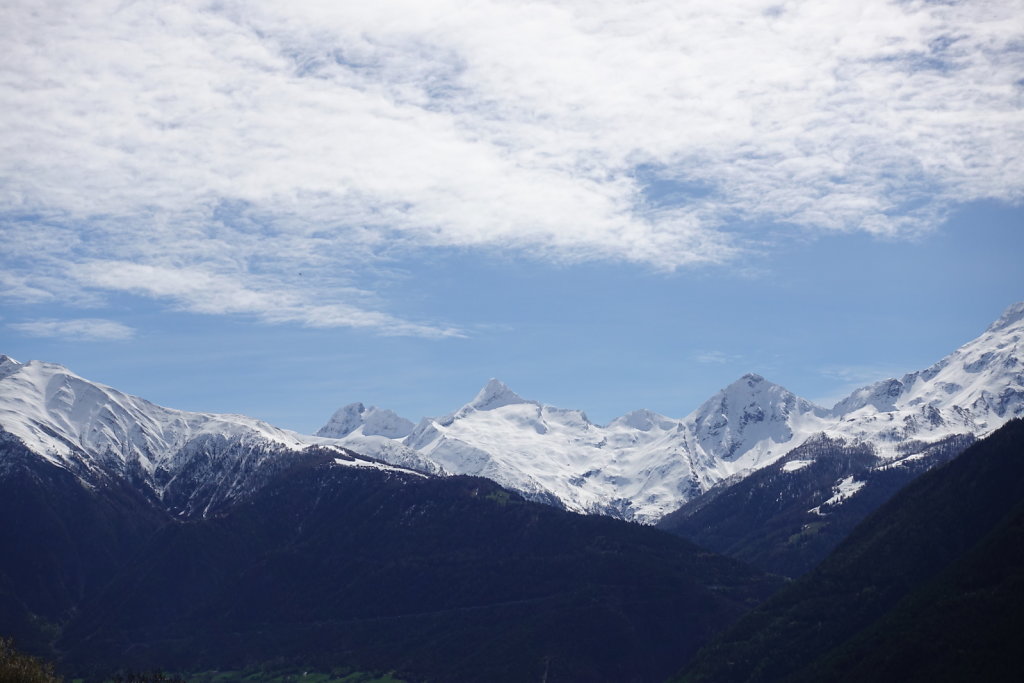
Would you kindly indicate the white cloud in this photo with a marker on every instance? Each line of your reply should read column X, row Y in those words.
column 21, row 289
column 244, row 142
column 202, row 292
column 82, row 329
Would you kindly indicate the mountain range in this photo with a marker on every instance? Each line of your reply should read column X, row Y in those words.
column 342, row 566
column 643, row 465
column 638, row 467
column 140, row 536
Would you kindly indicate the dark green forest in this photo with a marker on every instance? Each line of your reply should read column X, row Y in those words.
column 444, row 579
column 929, row 587
column 360, row 575
column 768, row 519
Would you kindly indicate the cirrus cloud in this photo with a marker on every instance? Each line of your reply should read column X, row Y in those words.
column 81, row 329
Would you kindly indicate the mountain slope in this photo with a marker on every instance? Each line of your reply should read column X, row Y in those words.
column 963, row 626
column 639, row 467
column 786, row 517
column 60, row 541
column 940, row 535
column 643, row 465
column 450, row 579
column 188, row 462
column 976, row 389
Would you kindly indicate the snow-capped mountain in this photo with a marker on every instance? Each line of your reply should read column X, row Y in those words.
column 62, row 416
column 639, row 466
column 188, row 460
column 357, row 420
column 752, row 423
column 643, row 465
column 547, row 453
column 976, row 389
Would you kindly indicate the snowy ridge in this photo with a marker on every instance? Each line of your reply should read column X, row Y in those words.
column 976, row 389
column 355, row 419
column 552, row 454
column 643, row 465
column 96, row 431
column 56, row 413
column 639, row 466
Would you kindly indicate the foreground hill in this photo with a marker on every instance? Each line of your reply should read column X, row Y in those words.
column 452, row 579
column 787, row 517
column 930, row 587
column 187, row 463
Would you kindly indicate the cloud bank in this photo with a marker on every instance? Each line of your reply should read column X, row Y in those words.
column 228, row 147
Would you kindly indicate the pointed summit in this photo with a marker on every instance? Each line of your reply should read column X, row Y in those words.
column 372, row 421
column 749, row 412
column 751, row 379
column 882, row 396
column 8, row 365
column 1013, row 314
column 752, row 387
column 495, row 394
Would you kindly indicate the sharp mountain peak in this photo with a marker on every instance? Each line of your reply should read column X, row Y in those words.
column 1013, row 314
column 496, row 394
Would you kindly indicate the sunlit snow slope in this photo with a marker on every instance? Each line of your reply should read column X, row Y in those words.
column 98, row 432
column 640, row 466
column 643, row 465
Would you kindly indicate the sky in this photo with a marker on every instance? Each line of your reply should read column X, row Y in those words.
column 276, row 210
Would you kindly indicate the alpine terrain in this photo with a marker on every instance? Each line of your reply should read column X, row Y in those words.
column 928, row 588
column 639, row 467
column 644, row 465
column 141, row 536
column 312, row 557
column 191, row 462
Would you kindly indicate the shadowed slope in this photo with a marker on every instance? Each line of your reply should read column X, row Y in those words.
column 942, row 541
column 449, row 579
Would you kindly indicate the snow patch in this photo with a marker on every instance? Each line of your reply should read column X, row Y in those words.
column 365, row 464
column 843, row 490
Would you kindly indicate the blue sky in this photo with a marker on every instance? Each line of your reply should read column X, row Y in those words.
column 237, row 207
